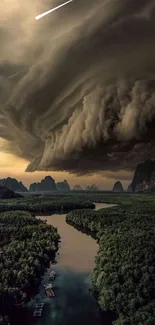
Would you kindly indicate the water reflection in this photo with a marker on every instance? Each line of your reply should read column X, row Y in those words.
column 73, row 304
column 77, row 250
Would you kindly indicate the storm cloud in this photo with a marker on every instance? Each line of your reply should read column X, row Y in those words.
column 77, row 88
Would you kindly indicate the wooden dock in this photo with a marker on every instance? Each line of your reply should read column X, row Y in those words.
column 38, row 310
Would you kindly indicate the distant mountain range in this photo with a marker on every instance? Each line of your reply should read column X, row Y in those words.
column 63, row 186
column 143, row 181
column 118, row 187
column 77, row 188
column 144, row 177
column 92, row 188
column 5, row 193
column 48, row 184
column 13, row 185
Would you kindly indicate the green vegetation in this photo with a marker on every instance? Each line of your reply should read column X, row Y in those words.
column 45, row 204
column 117, row 198
column 124, row 276
column 26, row 247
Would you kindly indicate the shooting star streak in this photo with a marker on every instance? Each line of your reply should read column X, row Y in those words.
column 51, row 10
column 17, row 73
column 14, row 75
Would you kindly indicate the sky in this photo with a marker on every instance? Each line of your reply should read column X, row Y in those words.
column 12, row 166
column 77, row 90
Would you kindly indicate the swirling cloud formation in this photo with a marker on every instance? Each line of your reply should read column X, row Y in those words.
column 77, row 88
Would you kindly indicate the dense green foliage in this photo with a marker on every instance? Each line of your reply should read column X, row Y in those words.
column 45, row 204
column 117, row 198
column 26, row 247
column 124, row 276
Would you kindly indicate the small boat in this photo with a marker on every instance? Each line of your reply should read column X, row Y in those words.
column 48, row 286
column 52, row 275
column 49, row 292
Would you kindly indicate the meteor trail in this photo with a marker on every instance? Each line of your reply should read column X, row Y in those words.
column 51, row 10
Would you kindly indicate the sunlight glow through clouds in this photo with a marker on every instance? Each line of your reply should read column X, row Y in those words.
column 8, row 160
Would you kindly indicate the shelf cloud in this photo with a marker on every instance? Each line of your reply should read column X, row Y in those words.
column 78, row 87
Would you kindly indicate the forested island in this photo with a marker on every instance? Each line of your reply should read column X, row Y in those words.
column 41, row 204
column 45, row 204
column 26, row 247
column 124, row 275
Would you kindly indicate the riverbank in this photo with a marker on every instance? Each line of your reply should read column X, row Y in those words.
column 121, row 271
column 65, row 202
column 125, row 264
column 26, row 247
column 45, row 204
column 74, row 302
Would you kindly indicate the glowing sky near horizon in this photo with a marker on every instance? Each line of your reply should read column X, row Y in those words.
column 51, row 10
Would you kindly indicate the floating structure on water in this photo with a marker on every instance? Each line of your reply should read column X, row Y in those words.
column 38, row 310
column 48, row 290
column 52, row 275
column 48, row 286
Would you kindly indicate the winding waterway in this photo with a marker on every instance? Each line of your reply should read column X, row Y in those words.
column 74, row 303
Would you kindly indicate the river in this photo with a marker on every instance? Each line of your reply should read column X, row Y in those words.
column 74, row 303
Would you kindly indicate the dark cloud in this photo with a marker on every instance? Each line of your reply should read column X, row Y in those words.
column 81, row 96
